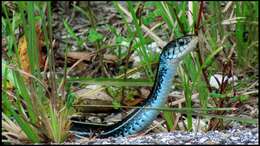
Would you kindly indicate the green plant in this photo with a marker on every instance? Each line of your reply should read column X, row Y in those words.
column 32, row 113
column 228, row 45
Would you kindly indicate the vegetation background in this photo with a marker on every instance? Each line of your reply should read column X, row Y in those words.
column 52, row 51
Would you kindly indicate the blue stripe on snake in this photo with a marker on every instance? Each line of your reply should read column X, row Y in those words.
column 141, row 118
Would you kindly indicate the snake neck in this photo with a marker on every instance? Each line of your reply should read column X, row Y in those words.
column 162, row 86
column 141, row 118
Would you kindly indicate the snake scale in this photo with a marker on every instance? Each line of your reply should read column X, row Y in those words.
column 141, row 118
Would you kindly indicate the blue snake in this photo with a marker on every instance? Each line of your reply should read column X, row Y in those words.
column 141, row 118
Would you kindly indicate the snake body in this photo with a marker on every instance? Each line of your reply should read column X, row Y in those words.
column 141, row 118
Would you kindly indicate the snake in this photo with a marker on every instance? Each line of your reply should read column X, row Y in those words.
column 170, row 57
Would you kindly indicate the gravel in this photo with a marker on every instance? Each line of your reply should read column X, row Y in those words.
column 239, row 135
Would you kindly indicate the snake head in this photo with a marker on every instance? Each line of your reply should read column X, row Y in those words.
column 175, row 50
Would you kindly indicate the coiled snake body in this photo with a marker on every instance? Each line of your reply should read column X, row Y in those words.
column 141, row 118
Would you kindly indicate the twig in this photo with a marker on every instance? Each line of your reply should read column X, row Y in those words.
column 75, row 64
column 159, row 41
column 199, row 18
column 179, row 22
column 148, row 130
column 194, row 96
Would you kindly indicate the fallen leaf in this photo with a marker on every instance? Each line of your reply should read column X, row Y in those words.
column 80, row 55
column 23, row 54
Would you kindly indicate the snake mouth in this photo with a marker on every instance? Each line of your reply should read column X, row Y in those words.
column 190, row 47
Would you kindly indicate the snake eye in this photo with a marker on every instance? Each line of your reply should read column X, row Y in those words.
column 181, row 42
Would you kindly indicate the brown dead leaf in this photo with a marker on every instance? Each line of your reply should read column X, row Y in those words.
column 88, row 56
column 133, row 102
column 80, row 55
column 110, row 58
column 40, row 44
column 100, row 98
column 22, row 49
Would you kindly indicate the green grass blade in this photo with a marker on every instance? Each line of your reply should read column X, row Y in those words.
column 10, row 30
column 33, row 50
column 168, row 116
column 113, row 82
column 54, row 124
column 25, row 126
column 26, row 96
column 72, row 33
